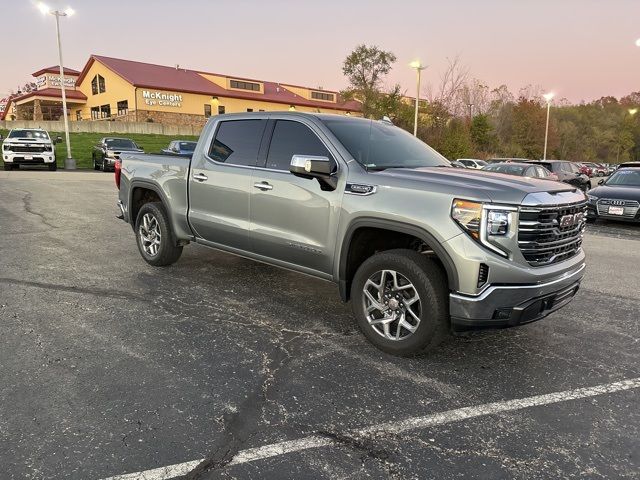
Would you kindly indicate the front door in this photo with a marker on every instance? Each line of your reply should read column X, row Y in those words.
column 220, row 183
column 292, row 219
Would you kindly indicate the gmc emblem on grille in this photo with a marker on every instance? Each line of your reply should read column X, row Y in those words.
column 571, row 220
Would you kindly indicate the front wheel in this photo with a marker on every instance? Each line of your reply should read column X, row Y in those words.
column 53, row 167
column 156, row 241
column 400, row 302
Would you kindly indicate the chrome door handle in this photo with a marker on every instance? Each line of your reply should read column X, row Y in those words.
column 263, row 186
column 201, row 177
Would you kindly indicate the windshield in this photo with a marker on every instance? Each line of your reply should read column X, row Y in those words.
column 482, row 163
column 188, row 146
column 629, row 178
column 35, row 134
column 508, row 169
column 120, row 143
column 378, row 146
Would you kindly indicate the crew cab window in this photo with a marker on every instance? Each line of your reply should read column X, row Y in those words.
column 541, row 172
column 237, row 142
column 292, row 138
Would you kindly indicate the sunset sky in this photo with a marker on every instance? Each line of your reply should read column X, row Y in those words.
column 581, row 49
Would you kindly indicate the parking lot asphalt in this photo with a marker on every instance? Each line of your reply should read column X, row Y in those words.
column 109, row 366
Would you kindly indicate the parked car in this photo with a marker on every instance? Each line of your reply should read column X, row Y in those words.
column 628, row 165
column 472, row 163
column 507, row 160
column 183, row 148
column 29, row 146
column 457, row 164
column 567, row 172
column 336, row 197
column 616, row 198
column 522, row 170
column 597, row 169
column 108, row 150
column 585, row 169
column 611, row 168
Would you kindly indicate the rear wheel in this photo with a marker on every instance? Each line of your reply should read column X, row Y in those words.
column 156, row 241
column 400, row 302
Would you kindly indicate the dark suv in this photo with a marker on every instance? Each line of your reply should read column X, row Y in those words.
column 567, row 172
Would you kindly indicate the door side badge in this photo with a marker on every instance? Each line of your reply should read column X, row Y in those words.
column 360, row 189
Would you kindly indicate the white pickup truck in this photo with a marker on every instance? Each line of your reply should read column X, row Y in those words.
column 28, row 146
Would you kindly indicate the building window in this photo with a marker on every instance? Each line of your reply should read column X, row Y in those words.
column 105, row 111
column 95, row 113
column 249, row 109
column 240, row 85
column 207, row 110
column 123, row 107
column 328, row 97
column 78, row 115
column 97, row 85
column 221, row 110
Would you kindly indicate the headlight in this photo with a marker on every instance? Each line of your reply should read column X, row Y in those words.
column 7, row 147
column 468, row 215
column 592, row 199
column 48, row 148
column 493, row 226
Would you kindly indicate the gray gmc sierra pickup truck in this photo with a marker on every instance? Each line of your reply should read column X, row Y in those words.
column 419, row 248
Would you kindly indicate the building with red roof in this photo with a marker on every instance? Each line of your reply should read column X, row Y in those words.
column 113, row 89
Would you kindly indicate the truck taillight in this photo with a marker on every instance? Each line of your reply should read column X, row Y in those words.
column 117, row 169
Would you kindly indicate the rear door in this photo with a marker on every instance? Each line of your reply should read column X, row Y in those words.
column 292, row 219
column 220, row 181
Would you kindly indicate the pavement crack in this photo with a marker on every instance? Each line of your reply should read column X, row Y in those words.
column 242, row 424
column 28, row 207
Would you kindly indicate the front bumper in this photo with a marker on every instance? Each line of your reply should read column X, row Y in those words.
column 592, row 214
column 35, row 158
column 511, row 305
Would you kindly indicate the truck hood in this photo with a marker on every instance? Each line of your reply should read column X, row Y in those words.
column 26, row 141
column 497, row 187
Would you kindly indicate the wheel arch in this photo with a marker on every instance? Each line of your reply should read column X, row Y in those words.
column 346, row 271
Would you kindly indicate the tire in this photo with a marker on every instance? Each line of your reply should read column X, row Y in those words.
column 168, row 252
column 53, row 167
column 95, row 164
column 8, row 167
column 428, row 282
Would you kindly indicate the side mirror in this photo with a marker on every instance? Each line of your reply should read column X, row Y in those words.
column 600, row 182
column 58, row 139
column 320, row 168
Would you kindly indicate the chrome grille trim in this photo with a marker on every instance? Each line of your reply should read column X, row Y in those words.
column 542, row 239
column 631, row 207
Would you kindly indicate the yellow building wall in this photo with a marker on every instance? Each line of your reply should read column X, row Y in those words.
column 117, row 89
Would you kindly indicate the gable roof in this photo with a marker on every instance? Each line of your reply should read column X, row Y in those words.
column 56, row 69
column 147, row 75
column 53, row 93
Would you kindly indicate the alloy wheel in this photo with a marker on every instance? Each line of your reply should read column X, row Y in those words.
column 150, row 236
column 392, row 305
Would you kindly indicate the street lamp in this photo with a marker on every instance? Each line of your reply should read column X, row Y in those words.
column 418, row 67
column 638, row 42
column 69, row 163
column 632, row 111
column 548, row 97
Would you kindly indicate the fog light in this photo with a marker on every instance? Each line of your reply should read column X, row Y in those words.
column 502, row 313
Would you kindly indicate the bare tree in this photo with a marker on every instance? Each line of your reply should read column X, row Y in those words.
column 448, row 92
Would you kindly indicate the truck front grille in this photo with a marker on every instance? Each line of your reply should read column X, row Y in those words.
column 548, row 235
column 28, row 148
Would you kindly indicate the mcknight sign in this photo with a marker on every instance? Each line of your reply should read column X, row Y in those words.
column 162, row 99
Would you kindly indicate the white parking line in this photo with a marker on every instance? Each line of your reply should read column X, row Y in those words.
column 415, row 423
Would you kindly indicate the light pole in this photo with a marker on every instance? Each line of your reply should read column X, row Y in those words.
column 470, row 105
column 418, row 67
column 69, row 162
column 548, row 97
